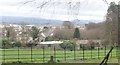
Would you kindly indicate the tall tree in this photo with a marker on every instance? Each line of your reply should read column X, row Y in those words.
column 10, row 33
column 76, row 33
column 24, row 33
column 63, row 33
column 34, row 33
column 68, row 24
column 111, row 24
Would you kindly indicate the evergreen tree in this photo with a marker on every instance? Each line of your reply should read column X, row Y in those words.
column 111, row 25
column 76, row 33
column 34, row 32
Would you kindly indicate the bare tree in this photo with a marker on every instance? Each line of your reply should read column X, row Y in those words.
column 63, row 33
column 24, row 34
column 10, row 33
column 68, row 25
column 94, row 31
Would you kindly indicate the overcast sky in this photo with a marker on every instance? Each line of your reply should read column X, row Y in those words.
column 87, row 10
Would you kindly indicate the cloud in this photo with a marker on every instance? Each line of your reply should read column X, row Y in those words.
column 90, row 9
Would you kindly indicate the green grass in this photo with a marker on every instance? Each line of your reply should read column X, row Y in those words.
column 11, row 55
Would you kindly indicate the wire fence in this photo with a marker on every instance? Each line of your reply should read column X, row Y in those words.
column 42, row 55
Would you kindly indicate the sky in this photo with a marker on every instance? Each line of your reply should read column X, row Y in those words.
column 56, row 9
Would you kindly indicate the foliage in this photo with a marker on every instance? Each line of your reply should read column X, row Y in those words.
column 63, row 34
column 45, row 27
column 17, row 44
column 10, row 33
column 6, row 43
column 68, row 45
column 31, row 44
column 68, row 24
column 111, row 24
column 9, row 44
column 34, row 32
column 24, row 33
column 49, row 38
column 76, row 33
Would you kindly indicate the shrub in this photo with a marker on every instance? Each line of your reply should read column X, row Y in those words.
column 49, row 38
column 6, row 44
column 68, row 45
column 17, row 44
column 30, row 44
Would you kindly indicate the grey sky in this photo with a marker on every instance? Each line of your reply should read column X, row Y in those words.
column 88, row 10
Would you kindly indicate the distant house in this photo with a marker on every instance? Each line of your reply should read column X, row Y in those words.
column 87, row 44
column 47, row 31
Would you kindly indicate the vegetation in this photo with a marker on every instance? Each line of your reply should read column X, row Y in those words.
column 111, row 24
column 31, row 44
column 17, row 44
column 68, row 45
column 10, row 33
column 6, row 43
column 24, row 33
column 34, row 33
column 94, row 31
column 63, row 34
column 76, row 33
column 49, row 38
column 68, row 25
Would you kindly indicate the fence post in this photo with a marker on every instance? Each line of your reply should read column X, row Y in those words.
column 4, row 53
column 65, row 53
column 54, row 53
column 83, row 52
column 111, row 52
column 80, row 50
column 43, row 54
column 18, row 53
column 91, row 51
column 98, row 51
column 105, row 50
column 74, row 53
column 31, row 52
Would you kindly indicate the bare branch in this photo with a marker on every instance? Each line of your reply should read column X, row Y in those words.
column 43, row 4
column 28, row 1
column 106, row 2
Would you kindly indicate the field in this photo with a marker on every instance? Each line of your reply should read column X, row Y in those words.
column 42, row 56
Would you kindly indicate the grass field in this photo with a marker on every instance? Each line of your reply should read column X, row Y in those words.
column 24, row 55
